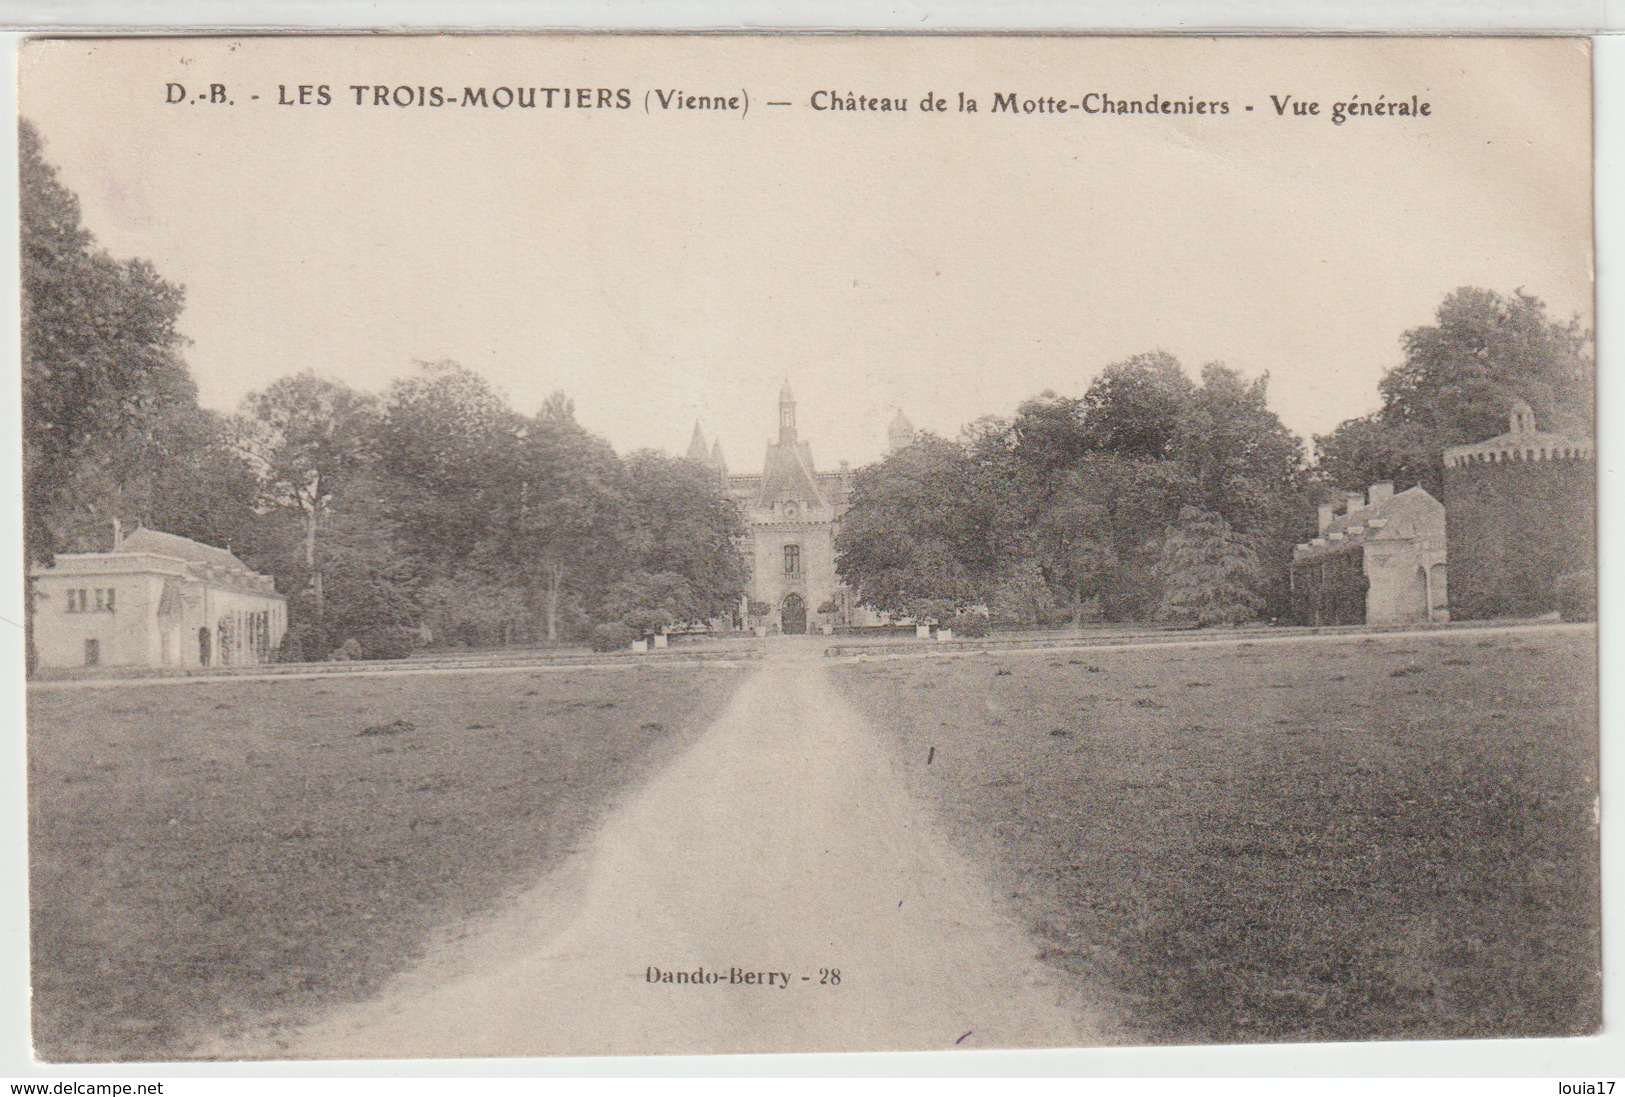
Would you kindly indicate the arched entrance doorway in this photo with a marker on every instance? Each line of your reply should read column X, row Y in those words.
column 794, row 615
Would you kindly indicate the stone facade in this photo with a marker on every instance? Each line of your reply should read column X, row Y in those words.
column 792, row 513
column 1379, row 560
column 156, row 600
column 1523, row 512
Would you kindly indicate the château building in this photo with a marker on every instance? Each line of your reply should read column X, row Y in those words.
column 792, row 513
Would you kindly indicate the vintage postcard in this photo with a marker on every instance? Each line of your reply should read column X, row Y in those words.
column 593, row 545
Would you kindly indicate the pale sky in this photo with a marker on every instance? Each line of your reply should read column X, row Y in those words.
column 663, row 267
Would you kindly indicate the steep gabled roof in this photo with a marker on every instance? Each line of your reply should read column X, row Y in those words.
column 787, row 473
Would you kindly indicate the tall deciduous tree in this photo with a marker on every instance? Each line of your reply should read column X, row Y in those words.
column 1249, row 469
column 681, row 523
column 111, row 426
column 1075, row 542
column 449, row 463
column 1099, row 534
column 101, row 364
column 308, row 439
column 923, row 527
column 1457, row 384
column 1135, row 407
column 1242, row 458
column 567, row 515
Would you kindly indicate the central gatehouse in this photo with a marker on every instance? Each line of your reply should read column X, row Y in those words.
column 792, row 514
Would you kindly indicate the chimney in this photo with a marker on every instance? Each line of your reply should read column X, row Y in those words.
column 118, row 536
column 1355, row 501
column 1381, row 492
column 1327, row 512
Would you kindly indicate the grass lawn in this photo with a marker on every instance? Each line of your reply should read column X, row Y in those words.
column 207, row 858
column 1377, row 837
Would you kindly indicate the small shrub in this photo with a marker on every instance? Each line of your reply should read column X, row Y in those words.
column 394, row 643
column 298, row 646
column 1577, row 596
column 972, row 626
column 615, row 636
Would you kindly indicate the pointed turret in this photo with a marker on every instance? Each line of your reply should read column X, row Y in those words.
column 718, row 463
column 787, row 415
column 697, row 450
column 900, row 435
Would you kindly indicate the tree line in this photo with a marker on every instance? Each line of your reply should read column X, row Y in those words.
column 433, row 511
column 1148, row 496
column 1152, row 496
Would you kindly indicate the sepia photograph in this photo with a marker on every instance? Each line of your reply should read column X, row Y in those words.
column 581, row 545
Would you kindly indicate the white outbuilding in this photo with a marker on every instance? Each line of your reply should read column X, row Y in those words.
column 156, row 600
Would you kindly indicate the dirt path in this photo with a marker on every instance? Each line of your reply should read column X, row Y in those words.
column 782, row 843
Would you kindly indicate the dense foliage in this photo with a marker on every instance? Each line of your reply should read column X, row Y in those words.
column 1155, row 496
column 1458, row 383
column 438, row 510
column 1066, row 510
column 1209, row 574
column 434, row 512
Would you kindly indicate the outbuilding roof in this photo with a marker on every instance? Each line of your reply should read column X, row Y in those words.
column 182, row 548
column 1399, row 516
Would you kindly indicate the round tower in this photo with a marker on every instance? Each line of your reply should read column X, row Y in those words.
column 1520, row 511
